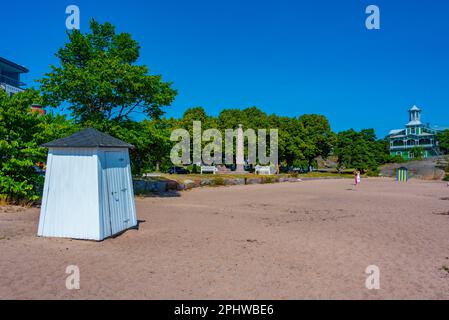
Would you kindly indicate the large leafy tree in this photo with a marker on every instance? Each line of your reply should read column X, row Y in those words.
column 360, row 150
column 98, row 79
column 151, row 140
column 317, row 136
column 291, row 142
column 231, row 118
column 195, row 114
column 21, row 134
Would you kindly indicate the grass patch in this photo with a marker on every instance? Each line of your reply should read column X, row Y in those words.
column 218, row 181
column 182, row 177
column 372, row 172
column 3, row 200
column 267, row 180
column 325, row 175
column 7, row 201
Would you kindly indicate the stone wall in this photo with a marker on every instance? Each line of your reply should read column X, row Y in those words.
column 143, row 187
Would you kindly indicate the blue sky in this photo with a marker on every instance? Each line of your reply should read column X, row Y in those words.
column 285, row 57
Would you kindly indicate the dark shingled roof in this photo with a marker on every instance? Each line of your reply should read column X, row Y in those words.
column 88, row 138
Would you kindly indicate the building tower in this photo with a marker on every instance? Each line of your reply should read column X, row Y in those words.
column 414, row 126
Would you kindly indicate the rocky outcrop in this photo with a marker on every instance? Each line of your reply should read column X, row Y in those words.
column 427, row 169
column 144, row 187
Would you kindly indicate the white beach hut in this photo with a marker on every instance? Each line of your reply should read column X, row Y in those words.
column 88, row 190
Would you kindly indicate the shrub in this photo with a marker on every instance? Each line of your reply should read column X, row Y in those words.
column 267, row 180
column 294, row 175
column 218, row 181
column 21, row 134
column 372, row 172
column 395, row 159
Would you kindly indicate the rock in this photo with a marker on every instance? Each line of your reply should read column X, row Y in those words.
column 145, row 187
column 172, row 185
column 270, row 180
column 253, row 180
column 181, row 187
column 150, row 186
column 161, row 186
column 139, row 186
column 425, row 169
column 190, row 184
column 234, row 182
column 206, row 182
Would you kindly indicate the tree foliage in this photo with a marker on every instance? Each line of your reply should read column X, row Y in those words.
column 417, row 152
column 151, row 140
column 317, row 136
column 360, row 150
column 301, row 139
column 99, row 80
column 21, row 134
column 443, row 139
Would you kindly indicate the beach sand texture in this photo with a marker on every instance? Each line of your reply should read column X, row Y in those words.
column 305, row 240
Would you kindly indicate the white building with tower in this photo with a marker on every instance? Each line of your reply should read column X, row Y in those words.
column 414, row 135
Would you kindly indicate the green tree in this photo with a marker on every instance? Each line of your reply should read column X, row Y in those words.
column 195, row 114
column 357, row 149
column 231, row 118
column 317, row 136
column 417, row 152
column 443, row 141
column 291, row 143
column 99, row 81
column 151, row 140
column 255, row 118
column 21, row 134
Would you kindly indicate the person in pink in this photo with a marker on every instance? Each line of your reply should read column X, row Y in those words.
column 357, row 177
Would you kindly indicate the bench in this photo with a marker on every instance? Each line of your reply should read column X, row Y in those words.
column 211, row 169
column 265, row 170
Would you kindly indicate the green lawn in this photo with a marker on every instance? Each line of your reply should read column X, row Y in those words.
column 183, row 177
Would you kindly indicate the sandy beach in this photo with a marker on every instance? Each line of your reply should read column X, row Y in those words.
column 304, row 240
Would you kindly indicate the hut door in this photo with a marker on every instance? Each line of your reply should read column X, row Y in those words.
column 117, row 184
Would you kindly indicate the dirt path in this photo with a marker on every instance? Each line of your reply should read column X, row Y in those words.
column 302, row 240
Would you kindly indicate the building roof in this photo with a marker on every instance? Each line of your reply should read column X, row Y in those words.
column 415, row 123
column 11, row 66
column 396, row 131
column 88, row 138
column 415, row 108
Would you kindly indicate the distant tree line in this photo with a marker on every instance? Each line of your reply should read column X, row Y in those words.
column 301, row 140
